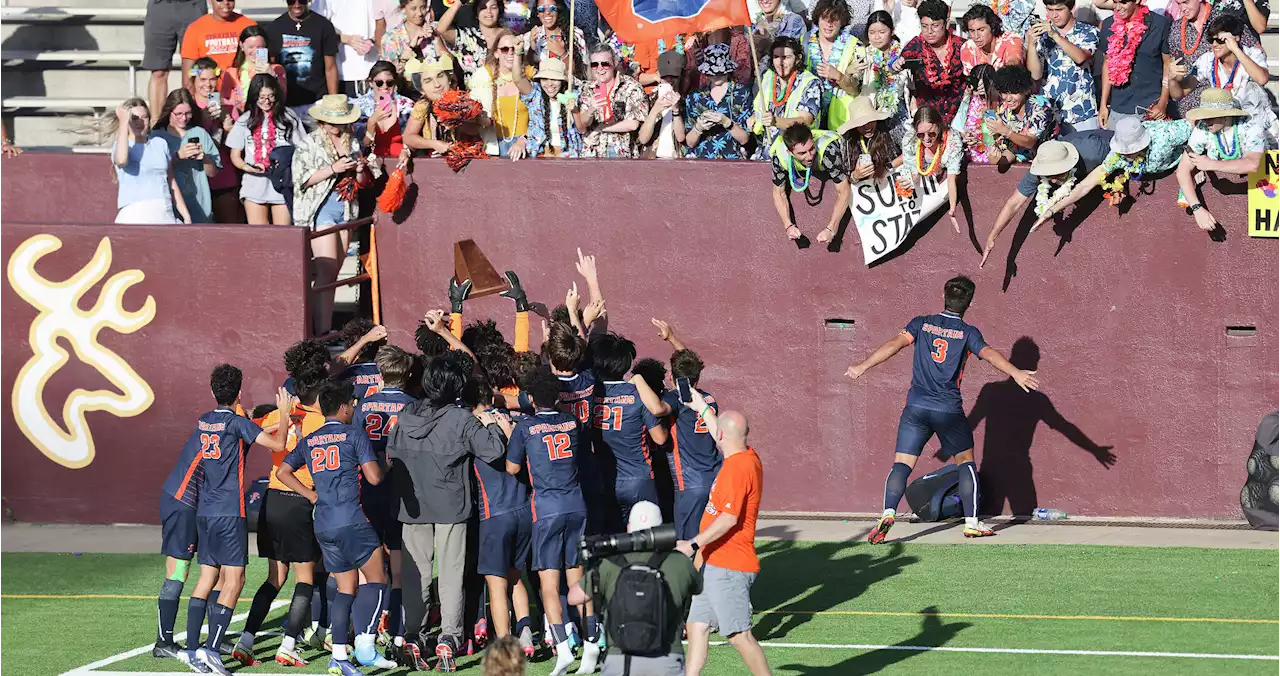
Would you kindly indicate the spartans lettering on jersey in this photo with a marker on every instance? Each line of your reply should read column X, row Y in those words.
column 69, row 442
column 324, row 439
column 382, row 407
column 885, row 218
column 954, row 334
column 544, row 428
column 620, row 399
column 211, row 427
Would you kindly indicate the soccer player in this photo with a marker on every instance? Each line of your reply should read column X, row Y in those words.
column 286, row 532
column 336, row 455
column 546, row 443
column 218, row 445
column 622, row 427
column 943, row 342
column 379, row 413
column 304, row 355
column 363, row 339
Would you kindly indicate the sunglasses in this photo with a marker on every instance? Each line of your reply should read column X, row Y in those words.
column 296, row 2
column 1218, row 41
column 601, row 64
column 1126, row 2
column 384, row 83
column 506, row 50
column 927, row 134
column 548, row 9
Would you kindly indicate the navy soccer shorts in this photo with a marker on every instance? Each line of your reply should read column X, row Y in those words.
column 631, row 491
column 380, row 509
column 690, row 505
column 505, row 540
column 348, row 547
column 224, row 540
column 556, row 539
column 177, row 528
column 917, row 425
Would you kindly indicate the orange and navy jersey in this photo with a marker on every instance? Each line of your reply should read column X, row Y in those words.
column 303, row 420
column 184, row 481
column 621, row 423
column 693, row 457
column 498, row 492
column 943, row 343
column 221, row 440
column 379, row 413
column 576, row 392
column 334, row 454
column 546, row 443
column 365, row 377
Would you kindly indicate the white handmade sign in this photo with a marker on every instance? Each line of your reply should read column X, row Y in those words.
column 884, row 219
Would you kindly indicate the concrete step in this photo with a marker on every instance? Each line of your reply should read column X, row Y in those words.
column 69, row 129
column 97, row 80
column 241, row 5
column 79, row 33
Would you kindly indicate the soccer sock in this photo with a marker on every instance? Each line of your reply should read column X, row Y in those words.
column 195, row 619
column 170, row 592
column 212, row 601
column 320, row 601
column 395, row 612
column 219, row 618
column 521, row 625
column 299, row 611
column 258, row 612
column 340, row 614
column 331, row 593
column 592, row 627
column 969, row 492
column 895, row 486
column 370, row 600
column 558, row 633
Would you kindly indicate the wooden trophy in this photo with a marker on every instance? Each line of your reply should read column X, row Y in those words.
column 470, row 263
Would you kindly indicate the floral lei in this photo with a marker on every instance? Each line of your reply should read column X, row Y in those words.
column 840, row 44
column 264, row 141
column 937, row 73
column 937, row 155
column 1000, row 7
column 1118, row 170
column 1045, row 200
column 882, row 75
column 1122, row 45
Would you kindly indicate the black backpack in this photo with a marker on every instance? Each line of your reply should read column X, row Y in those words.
column 936, row 495
column 638, row 619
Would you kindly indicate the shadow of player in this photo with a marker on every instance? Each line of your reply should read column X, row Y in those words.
column 933, row 633
column 1012, row 416
column 811, row 579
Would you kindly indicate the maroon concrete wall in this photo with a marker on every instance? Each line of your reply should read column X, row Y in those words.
column 222, row 294
column 1129, row 314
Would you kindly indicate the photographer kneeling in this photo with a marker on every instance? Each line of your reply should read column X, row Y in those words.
column 643, row 628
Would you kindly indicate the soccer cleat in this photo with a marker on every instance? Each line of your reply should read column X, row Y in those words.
column 590, row 655
column 877, row 534
column 289, row 658
column 384, row 636
column 188, row 657
column 481, row 634
column 342, row 668
column 245, row 657
column 166, row 649
column 317, row 639
column 367, row 654
column 445, row 654
column 526, row 642
column 226, row 647
column 979, row 531
column 213, row 661
column 564, row 658
column 411, row 657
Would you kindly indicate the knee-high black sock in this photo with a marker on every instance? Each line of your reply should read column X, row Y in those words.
column 219, row 618
column 896, row 485
column 299, row 610
column 261, row 606
column 167, row 602
column 969, row 489
column 319, row 601
column 196, row 608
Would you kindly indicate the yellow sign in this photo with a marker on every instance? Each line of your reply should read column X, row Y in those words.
column 70, row 443
column 1264, row 207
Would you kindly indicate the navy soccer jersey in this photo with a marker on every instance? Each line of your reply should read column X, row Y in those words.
column 187, row 475
column 943, row 342
column 693, row 457
column 547, row 444
column 378, row 414
column 621, row 424
column 499, row 493
column 333, row 453
column 576, row 392
column 220, row 440
column 365, row 377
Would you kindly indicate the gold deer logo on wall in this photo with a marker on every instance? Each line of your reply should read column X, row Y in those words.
column 71, row 443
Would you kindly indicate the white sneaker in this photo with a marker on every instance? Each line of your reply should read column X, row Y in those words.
column 367, row 654
column 564, row 658
column 590, row 655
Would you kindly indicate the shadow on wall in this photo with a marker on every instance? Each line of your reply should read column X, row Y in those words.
column 933, row 633
column 831, row 577
column 1012, row 416
column 28, row 78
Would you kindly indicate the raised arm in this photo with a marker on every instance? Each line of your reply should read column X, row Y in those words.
column 880, row 355
column 586, row 266
column 667, row 333
column 1025, row 379
column 1084, row 188
column 649, row 398
column 436, row 324
column 373, row 335
column 444, row 28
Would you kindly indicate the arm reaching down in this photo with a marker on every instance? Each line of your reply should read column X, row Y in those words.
column 1025, row 379
column 880, row 355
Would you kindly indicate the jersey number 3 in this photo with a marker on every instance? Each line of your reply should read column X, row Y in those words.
column 939, row 353
column 558, row 446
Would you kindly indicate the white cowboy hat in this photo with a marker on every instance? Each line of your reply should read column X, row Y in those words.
column 1054, row 158
column 335, row 109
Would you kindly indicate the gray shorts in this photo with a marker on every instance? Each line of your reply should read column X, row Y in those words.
column 725, row 601
column 671, row 664
column 258, row 189
column 162, row 30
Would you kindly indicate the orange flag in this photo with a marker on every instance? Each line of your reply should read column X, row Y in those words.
column 638, row 21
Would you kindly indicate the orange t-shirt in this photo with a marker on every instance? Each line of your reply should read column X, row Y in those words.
column 736, row 491
column 303, row 421
column 216, row 39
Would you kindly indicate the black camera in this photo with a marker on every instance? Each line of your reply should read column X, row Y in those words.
column 659, row 539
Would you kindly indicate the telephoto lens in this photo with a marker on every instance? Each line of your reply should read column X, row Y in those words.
column 659, row 539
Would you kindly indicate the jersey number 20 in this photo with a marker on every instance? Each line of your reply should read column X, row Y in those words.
column 558, row 446
column 939, row 353
column 323, row 458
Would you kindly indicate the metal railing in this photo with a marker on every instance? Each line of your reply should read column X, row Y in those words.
column 368, row 261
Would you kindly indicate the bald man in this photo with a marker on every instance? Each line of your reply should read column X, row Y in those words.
column 726, row 542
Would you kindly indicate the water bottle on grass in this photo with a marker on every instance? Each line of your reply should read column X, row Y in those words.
column 1042, row 514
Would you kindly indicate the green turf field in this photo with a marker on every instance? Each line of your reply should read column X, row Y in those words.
column 822, row 609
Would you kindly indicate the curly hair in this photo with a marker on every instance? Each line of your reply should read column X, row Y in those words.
column 225, row 382
column 543, row 386
column 653, row 371
column 832, row 9
column 304, row 355
column 429, row 342
column 497, row 361
column 335, row 392
column 354, row 330
column 307, row 384
column 504, row 657
column 787, row 42
column 1013, row 80
column 446, row 377
column 481, row 333
column 986, row 15
column 525, row 362
column 933, row 9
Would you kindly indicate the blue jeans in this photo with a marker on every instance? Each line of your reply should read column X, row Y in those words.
column 332, row 212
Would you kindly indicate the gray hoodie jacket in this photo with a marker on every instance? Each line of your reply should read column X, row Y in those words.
column 431, row 453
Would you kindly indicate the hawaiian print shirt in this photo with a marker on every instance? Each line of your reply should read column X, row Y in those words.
column 397, row 49
column 784, row 23
column 1067, row 84
column 470, row 49
column 537, row 44
column 1200, row 46
column 844, row 42
column 1168, row 138
column 629, row 103
column 1015, row 15
column 1231, row 143
column 810, row 101
column 718, row 143
column 945, row 98
column 831, row 167
column 1008, row 48
column 1036, row 120
column 951, row 154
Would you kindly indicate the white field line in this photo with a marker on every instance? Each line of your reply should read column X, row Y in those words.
column 1015, row 651
column 180, row 636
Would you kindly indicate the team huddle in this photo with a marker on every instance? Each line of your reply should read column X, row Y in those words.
column 474, row 455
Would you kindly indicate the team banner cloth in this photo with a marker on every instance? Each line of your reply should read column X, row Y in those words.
column 884, row 218
column 640, row 21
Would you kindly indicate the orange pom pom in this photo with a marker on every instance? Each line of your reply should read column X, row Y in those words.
column 393, row 195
